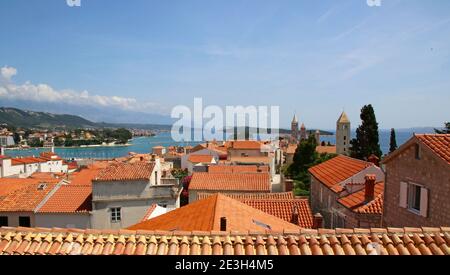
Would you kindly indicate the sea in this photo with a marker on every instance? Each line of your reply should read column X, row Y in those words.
column 145, row 144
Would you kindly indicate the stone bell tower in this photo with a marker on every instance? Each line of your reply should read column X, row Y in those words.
column 343, row 135
column 294, row 130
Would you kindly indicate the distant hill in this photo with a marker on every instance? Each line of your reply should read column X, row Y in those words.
column 31, row 119
column 43, row 120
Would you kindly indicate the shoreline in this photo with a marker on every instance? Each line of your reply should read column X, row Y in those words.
column 74, row 147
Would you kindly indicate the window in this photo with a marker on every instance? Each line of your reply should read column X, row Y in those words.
column 24, row 222
column 345, row 137
column 116, row 215
column 417, row 151
column 414, row 197
column 3, row 221
column 156, row 177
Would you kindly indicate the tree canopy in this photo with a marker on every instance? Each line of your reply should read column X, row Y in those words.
column 446, row 129
column 366, row 142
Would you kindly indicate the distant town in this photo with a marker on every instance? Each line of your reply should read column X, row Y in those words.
column 294, row 183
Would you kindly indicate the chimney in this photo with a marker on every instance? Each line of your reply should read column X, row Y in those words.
column 223, row 224
column 369, row 194
column 374, row 159
column 288, row 185
column 295, row 215
column 317, row 221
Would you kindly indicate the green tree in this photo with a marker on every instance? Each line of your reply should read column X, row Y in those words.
column 366, row 142
column 393, row 142
column 304, row 156
column 446, row 129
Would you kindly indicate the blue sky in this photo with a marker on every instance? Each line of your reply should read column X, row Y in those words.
column 311, row 57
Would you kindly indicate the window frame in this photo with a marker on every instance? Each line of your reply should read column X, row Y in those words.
column 116, row 214
column 414, row 197
column 5, row 218
column 24, row 217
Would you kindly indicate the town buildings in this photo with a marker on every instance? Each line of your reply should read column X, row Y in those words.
column 338, row 189
column 228, row 183
column 418, row 182
column 23, row 167
column 374, row 241
column 216, row 213
column 123, row 192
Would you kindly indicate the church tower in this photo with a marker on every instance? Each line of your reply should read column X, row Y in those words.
column 343, row 135
column 294, row 130
column 303, row 135
column 317, row 136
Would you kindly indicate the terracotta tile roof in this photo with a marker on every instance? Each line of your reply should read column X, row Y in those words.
column 338, row 169
column 251, row 196
column 50, row 156
column 391, row 241
column 26, row 198
column 205, row 215
column 200, row 158
column 45, row 175
column 149, row 212
column 439, row 144
column 221, row 149
column 27, row 160
column 356, row 201
column 237, row 169
column 244, row 144
column 284, row 209
column 326, row 149
column 87, row 175
column 250, row 182
column 290, row 150
column 252, row 160
column 126, row 172
column 69, row 199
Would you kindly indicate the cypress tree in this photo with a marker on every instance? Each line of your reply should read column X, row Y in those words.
column 366, row 142
column 393, row 142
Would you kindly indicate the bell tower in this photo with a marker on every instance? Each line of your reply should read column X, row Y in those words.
column 294, row 130
column 343, row 135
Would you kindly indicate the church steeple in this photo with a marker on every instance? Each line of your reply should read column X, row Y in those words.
column 294, row 130
column 343, row 135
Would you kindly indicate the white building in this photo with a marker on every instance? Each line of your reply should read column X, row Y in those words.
column 7, row 141
column 24, row 167
column 122, row 193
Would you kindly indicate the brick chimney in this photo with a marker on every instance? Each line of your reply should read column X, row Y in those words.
column 295, row 215
column 317, row 221
column 288, row 185
column 369, row 194
column 374, row 159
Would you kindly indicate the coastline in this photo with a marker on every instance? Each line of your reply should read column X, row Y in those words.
column 73, row 147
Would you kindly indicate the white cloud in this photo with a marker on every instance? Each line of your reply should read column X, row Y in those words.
column 8, row 72
column 45, row 93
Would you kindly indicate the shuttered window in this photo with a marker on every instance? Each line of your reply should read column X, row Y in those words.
column 403, row 194
column 424, row 202
column 414, row 197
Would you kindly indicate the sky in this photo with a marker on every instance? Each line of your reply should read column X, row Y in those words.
column 312, row 58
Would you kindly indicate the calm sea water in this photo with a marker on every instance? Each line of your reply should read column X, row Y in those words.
column 145, row 145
